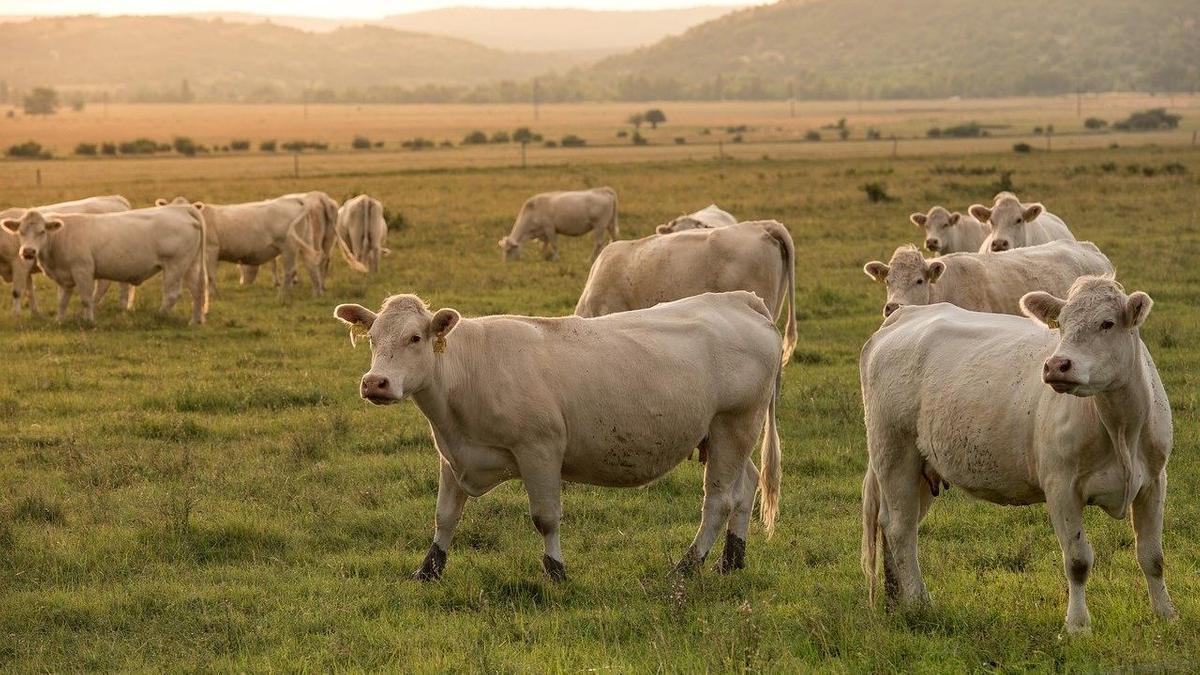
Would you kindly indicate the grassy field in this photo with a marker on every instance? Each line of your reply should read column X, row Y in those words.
column 219, row 498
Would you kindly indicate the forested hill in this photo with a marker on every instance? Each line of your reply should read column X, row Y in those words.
column 920, row 48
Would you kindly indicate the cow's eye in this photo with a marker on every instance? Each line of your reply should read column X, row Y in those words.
column 920, row 281
column 415, row 339
column 1106, row 324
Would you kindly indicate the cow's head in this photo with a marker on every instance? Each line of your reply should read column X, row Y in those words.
column 510, row 248
column 178, row 201
column 33, row 230
column 1006, row 220
column 1098, row 334
column 679, row 225
column 907, row 277
column 406, row 341
column 936, row 224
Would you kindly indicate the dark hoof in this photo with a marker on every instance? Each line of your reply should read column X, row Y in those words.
column 554, row 568
column 431, row 568
column 689, row 564
column 734, row 555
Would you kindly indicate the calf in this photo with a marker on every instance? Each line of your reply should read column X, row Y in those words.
column 1012, row 224
column 1013, row 412
column 615, row 401
column 993, row 282
column 947, row 232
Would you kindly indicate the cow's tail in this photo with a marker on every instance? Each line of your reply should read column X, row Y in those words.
column 870, row 530
column 296, row 231
column 202, row 225
column 348, row 253
column 771, row 457
column 787, row 290
column 614, row 228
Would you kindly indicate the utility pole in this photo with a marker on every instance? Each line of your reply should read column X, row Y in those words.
column 792, row 97
column 536, row 92
column 296, row 164
column 1078, row 103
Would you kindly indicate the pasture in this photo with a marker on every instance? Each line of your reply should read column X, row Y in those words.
column 219, row 498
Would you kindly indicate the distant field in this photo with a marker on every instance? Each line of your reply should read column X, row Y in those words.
column 218, row 498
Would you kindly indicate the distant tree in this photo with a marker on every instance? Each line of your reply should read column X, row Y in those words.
column 185, row 92
column 500, row 137
column 42, row 101
column 655, row 117
column 812, row 135
column 636, row 120
column 267, row 146
column 239, row 144
column 77, row 105
column 1094, row 123
column 843, row 131
column 85, row 149
column 29, row 150
column 573, row 141
column 185, row 146
column 475, row 138
column 361, row 143
column 639, row 139
column 108, row 148
column 522, row 135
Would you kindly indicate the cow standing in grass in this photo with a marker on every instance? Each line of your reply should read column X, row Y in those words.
column 1012, row 224
column 1014, row 412
column 362, row 233
column 947, row 232
column 547, row 215
column 615, row 401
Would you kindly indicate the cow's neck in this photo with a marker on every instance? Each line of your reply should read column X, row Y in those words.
column 1124, row 411
column 439, row 401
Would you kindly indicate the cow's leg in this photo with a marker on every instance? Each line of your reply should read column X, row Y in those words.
column 101, row 289
column 247, row 274
column 906, row 496
column 1066, row 513
column 213, row 253
column 733, row 557
column 1147, row 527
column 33, row 308
column 450, row 501
column 128, row 293
column 550, row 246
column 729, row 444
column 86, row 283
column 172, row 286
column 64, row 298
column 314, row 275
column 600, row 241
column 542, row 475
column 194, row 277
column 289, row 264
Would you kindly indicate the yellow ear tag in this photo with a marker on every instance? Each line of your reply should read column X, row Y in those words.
column 1052, row 324
column 357, row 332
column 439, row 345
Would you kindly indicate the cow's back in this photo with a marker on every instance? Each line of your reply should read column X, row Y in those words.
column 1046, row 228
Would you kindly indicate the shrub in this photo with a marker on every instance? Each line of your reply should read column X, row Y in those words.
column 88, row 149
column 551, row 144
column 475, row 138
column 573, row 141
column 1149, row 120
column 1037, row 131
column 300, row 146
column 1022, row 147
column 737, row 138
column 239, row 144
column 874, row 134
column 524, row 135
column 361, row 143
column 876, row 192
column 394, row 219
column 844, row 133
column 28, row 150
column 639, row 139
column 108, row 148
column 447, row 143
column 418, row 143
column 934, row 133
column 680, row 140
column 139, row 146
column 500, row 137
column 622, row 134
column 267, row 146
column 812, row 135
column 377, row 144
column 1094, row 123
column 185, row 146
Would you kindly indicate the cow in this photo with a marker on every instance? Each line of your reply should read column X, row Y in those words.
column 547, row 215
column 362, row 233
column 992, row 282
column 756, row 256
column 614, row 401
column 1012, row 224
column 322, row 222
column 128, row 247
column 947, row 232
column 1067, row 409
column 707, row 217
column 255, row 233
column 15, row 269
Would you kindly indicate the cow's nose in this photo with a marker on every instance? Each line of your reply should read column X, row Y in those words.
column 1056, row 364
column 889, row 308
column 28, row 253
column 931, row 244
column 373, row 385
column 999, row 245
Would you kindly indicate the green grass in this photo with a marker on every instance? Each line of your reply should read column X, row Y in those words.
column 219, row 498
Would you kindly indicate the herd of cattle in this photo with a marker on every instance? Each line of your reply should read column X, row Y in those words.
column 1009, row 365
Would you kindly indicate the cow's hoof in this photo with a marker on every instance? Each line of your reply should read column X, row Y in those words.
column 691, row 563
column 431, row 568
column 554, row 568
column 734, row 555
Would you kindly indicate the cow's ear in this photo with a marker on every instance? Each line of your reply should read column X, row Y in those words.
column 1042, row 306
column 918, row 219
column 1137, row 308
column 955, row 217
column 934, row 270
column 359, row 319
column 52, row 225
column 11, row 225
column 199, row 205
column 161, row 202
column 502, row 242
column 876, row 270
column 444, row 321
column 980, row 212
column 1032, row 212
column 663, row 229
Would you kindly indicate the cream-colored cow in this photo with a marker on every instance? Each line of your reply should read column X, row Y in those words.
column 707, row 217
column 1012, row 224
column 947, row 232
column 362, row 233
column 547, row 215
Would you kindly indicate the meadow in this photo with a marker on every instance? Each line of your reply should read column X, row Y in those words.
column 219, row 498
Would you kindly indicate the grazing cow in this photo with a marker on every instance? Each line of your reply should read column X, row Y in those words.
column 1012, row 224
column 322, row 223
column 128, row 247
column 20, row 272
column 707, row 217
column 362, row 233
column 615, row 401
column 947, row 232
column 547, row 215
column 256, row 233
column 1014, row 413
column 992, row 282
column 756, row 256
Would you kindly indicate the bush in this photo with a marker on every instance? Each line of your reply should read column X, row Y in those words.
column 300, row 146
column 267, row 146
column 500, row 137
column 551, row 144
column 418, row 143
column 639, row 139
column 876, row 193
column 680, row 140
column 185, row 146
column 874, row 134
column 88, row 149
column 377, row 144
column 1149, row 120
column 361, row 143
column 737, row 138
column 524, row 135
column 475, row 138
column 1037, row 131
column 108, row 148
column 572, row 141
column 447, row 143
column 140, row 146
column 812, row 135
column 28, row 150
column 394, row 219
column 239, row 145
column 1022, row 147
column 622, row 134
column 1094, row 123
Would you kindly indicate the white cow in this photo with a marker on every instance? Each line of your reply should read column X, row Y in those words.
column 707, row 217
column 322, row 223
column 1013, row 412
column 992, row 282
column 947, row 232
column 1012, row 224
column 255, row 233
column 128, row 247
column 756, row 256
column 20, row 272
column 615, row 401
column 547, row 215
column 362, row 233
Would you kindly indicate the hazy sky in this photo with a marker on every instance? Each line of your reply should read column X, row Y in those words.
column 323, row 8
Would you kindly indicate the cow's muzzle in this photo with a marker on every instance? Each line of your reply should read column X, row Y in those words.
column 28, row 253
column 890, row 309
column 1058, row 372
column 377, row 389
column 999, row 245
column 932, row 245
